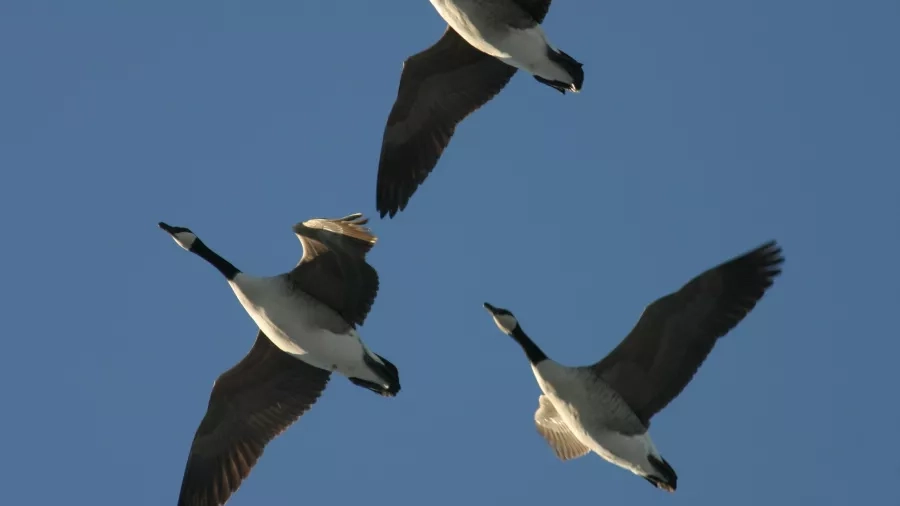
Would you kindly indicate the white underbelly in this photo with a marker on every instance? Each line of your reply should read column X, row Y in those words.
column 317, row 347
column 525, row 49
column 474, row 26
column 629, row 452
column 280, row 320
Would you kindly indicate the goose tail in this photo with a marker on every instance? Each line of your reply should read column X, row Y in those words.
column 387, row 372
column 664, row 478
column 391, row 375
column 570, row 66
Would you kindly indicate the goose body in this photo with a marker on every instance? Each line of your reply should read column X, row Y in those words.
column 504, row 30
column 613, row 432
column 483, row 46
column 606, row 407
column 307, row 322
column 305, row 328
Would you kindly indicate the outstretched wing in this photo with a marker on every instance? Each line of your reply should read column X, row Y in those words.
column 250, row 404
column 439, row 87
column 676, row 333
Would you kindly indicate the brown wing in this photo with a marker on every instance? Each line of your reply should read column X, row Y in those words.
column 334, row 268
column 439, row 87
column 536, row 8
column 251, row 404
column 676, row 333
column 557, row 434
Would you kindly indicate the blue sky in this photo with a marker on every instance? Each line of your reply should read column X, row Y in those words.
column 704, row 128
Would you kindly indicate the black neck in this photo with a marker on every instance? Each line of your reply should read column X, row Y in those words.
column 534, row 354
column 223, row 266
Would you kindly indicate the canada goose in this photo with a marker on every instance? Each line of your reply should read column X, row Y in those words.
column 606, row 407
column 484, row 44
column 307, row 319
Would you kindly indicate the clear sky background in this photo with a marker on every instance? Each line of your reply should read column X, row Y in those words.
column 704, row 129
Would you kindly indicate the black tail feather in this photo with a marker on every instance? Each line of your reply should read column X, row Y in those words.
column 386, row 371
column 570, row 65
column 668, row 480
column 393, row 373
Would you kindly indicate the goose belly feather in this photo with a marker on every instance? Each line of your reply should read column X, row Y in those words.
column 593, row 412
column 302, row 326
column 523, row 48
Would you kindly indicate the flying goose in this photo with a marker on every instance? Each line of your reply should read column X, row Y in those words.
column 307, row 319
column 484, row 44
column 606, row 407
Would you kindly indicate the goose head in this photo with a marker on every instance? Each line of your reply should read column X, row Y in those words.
column 183, row 236
column 509, row 325
column 505, row 320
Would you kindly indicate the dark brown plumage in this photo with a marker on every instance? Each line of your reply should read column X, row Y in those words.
column 439, row 87
column 334, row 268
column 250, row 404
column 536, row 8
column 267, row 391
column 676, row 333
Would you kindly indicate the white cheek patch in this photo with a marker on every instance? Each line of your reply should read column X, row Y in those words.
column 185, row 239
column 505, row 322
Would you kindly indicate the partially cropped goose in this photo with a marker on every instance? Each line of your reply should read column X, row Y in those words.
column 483, row 46
column 606, row 407
column 307, row 319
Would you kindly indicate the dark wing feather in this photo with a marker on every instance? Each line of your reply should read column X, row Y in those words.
column 334, row 268
column 348, row 234
column 439, row 87
column 676, row 333
column 251, row 404
column 536, row 8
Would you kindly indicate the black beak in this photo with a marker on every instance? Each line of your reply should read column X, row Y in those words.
column 167, row 228
column 490, row 308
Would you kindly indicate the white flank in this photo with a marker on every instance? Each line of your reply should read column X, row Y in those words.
column 573, row 401
column 524, row 49
column 276, row 312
